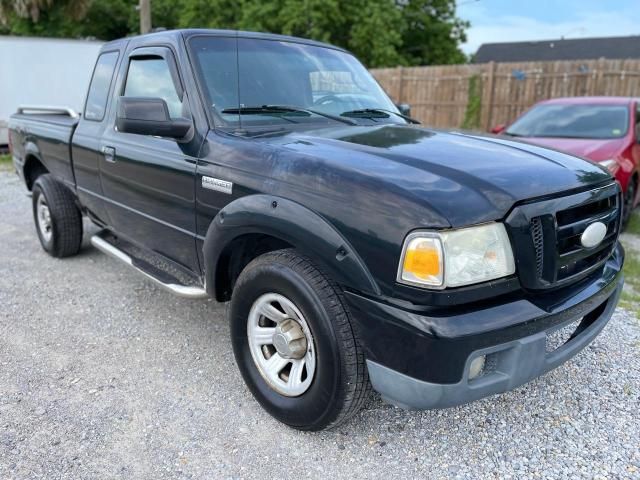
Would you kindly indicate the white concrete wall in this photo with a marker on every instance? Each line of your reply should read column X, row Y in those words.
column 43, row 71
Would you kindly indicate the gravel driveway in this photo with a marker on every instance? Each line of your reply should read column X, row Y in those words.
column 103, row 375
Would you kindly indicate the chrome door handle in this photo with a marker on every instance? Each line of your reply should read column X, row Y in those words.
column 109, row 154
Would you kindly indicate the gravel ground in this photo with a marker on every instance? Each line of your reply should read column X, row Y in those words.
column 103, row 375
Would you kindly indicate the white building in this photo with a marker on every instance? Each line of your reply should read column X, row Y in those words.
column 43, row 71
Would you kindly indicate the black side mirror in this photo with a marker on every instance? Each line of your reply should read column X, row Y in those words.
column 404, row 108
column 149, row 116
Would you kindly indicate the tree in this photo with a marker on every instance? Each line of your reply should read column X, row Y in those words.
column 379, row 32
column 63, row 18
column 431, row 32
column 369, row 28
column 32, row 9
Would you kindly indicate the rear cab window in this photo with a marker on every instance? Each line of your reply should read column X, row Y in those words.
column 99, row 88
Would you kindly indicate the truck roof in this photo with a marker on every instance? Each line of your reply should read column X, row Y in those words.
column 175, row 35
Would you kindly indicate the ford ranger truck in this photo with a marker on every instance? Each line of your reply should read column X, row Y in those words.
column 356, row 248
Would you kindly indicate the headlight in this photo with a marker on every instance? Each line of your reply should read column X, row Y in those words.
column 610, row 165
column 453, row 258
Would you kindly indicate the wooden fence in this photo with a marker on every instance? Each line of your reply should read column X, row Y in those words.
column 482, row 95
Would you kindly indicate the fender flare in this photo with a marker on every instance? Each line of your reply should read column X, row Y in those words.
column 290, row 222
column 31, row 150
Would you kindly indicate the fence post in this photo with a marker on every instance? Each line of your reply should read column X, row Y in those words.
column 488, row 88
column 600, row 77
column 401, row 87
column 487, row 108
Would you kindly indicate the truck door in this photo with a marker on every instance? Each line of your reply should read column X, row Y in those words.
column 148, row 181
column 85, row 146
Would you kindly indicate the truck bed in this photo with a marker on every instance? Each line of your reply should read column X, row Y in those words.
column 46, row 136
column 49, row 118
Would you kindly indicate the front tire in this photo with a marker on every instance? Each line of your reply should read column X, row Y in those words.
column 57, row 217
column 294, row 342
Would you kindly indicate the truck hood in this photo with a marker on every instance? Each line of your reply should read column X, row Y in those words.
column 460, row 178
column 593, row 149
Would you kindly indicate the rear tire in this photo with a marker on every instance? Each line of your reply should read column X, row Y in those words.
column 57, row 217
column 629, row 197
column 288, row 286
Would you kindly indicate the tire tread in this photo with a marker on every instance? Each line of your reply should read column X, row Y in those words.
column 357, row 387
column 66, row 216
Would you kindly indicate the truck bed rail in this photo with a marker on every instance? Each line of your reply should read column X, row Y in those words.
column 39, row 109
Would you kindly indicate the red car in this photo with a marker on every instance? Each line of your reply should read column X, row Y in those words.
column 602, row 129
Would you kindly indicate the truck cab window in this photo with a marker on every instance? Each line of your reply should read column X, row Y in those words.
column 150, row 77
column 99, row 88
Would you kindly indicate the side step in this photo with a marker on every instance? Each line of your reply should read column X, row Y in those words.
column 186, row 291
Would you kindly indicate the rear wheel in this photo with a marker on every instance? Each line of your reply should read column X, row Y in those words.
column 57, row 217
column 294, row 343
column 629, row 198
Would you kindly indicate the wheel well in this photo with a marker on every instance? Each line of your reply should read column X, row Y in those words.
column 237, row 255
column 33, row 168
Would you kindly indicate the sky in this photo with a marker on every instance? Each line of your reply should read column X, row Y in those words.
column 520, row 20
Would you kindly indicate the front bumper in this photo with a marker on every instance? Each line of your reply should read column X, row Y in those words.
column 420, row 360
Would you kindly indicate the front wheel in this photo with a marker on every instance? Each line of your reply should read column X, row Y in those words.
column 294, row 343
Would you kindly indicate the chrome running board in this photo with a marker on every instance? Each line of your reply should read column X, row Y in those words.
column 175, row 288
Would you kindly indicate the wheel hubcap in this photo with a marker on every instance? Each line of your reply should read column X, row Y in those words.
column 44, row 218
column 289, row 339
column 281, row 344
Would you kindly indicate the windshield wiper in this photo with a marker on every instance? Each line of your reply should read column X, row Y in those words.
column 382, row 113
column 284, row 109
column 261, row 110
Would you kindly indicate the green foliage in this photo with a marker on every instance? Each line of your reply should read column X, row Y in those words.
column 39, row 17
column 32, row 9
column 5, row 163
column 474, row 104
column 105, row 19
column 633, row 226
column 380, row 32
column 431, row 32
column 632, row 270
column 631, row 294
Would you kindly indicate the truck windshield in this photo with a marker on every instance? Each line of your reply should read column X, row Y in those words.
column 242, row 77
column 572, row 121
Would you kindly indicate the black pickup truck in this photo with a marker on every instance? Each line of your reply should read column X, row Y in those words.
column 356, row 248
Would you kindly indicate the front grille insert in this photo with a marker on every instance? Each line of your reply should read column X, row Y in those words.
column 574, row 259
column 547, row 236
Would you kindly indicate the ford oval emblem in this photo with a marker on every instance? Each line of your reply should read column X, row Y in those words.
column 593, row 235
